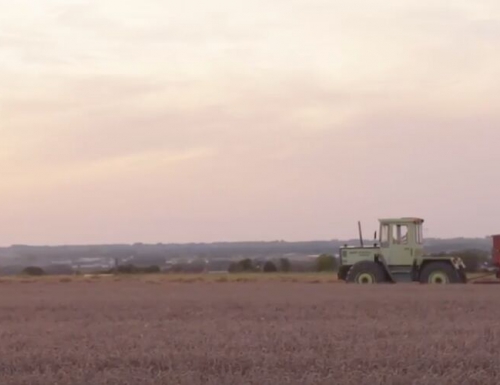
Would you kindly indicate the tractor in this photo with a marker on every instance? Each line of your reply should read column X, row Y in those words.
column 397, row 255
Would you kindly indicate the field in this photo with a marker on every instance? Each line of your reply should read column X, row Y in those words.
column 147, row 331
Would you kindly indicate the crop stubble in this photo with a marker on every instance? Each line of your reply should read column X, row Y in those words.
column 248, row 333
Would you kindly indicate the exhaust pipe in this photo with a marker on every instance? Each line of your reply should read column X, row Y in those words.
column 360, row 234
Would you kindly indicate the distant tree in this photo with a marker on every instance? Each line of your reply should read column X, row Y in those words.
column 269, row 267
column 132, row 269
column 34, row 271
column 325, row 262
column 127, row 269
column 153, row 269
column 246, row 265
column 285, row 265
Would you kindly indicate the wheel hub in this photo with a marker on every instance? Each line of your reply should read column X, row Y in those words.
column 365, row 278
column 438, row 277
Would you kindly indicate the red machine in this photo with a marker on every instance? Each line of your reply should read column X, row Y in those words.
column 495, row 254
column 495, row 258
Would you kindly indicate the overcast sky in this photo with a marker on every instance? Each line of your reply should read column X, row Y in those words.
column 176, row 121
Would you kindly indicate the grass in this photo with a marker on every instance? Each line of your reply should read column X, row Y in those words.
column 193, row 278
column 317, row 278
column 182, row 278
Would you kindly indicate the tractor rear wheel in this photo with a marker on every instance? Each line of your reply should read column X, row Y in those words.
column 366, row 272
column 440, row 273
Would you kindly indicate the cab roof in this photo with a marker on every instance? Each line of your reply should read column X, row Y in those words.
column 402, row 220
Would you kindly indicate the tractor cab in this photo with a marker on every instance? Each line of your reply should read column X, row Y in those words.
column 401, row 240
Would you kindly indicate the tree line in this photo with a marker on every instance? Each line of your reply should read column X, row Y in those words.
column 474, row 259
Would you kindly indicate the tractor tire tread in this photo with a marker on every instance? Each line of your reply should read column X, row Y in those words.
column 454, row 275
column 370, row 267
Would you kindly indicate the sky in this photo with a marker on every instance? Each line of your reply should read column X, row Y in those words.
column 199, row 121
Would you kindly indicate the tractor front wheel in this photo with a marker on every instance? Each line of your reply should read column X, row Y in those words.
column 365, row 272
column 441, row 273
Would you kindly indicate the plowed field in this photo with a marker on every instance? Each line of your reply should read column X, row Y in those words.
column 260, row 333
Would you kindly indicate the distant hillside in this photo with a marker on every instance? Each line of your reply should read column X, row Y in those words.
column 94, row 256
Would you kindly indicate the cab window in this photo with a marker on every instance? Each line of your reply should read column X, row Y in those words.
column 419, row 234
column 384, row 235
column 400, row 234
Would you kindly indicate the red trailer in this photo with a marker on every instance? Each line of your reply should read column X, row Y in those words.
column 495, row 258
column 495, row 253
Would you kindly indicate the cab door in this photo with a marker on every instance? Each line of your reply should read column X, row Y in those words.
column 399, row 251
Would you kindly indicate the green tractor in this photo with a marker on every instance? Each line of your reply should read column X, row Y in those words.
column 398, row 256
